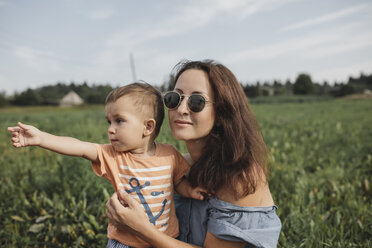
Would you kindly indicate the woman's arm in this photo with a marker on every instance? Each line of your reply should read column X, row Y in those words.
column 135, row 219
column 213, row 241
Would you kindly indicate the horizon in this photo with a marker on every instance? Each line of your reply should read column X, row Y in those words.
column 270, row 83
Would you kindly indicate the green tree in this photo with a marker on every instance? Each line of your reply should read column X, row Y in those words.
column 51, row 94
column 28, row 97
column 3, row 100
column 98, row 94
column 303, row 85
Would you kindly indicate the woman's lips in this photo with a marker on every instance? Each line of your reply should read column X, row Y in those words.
column 183, row 122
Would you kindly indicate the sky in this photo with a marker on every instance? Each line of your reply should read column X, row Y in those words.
column 43, row 42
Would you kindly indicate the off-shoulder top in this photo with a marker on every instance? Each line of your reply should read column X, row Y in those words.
column 257, row 226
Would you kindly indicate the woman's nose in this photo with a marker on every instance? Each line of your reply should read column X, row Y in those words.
column 182, row 108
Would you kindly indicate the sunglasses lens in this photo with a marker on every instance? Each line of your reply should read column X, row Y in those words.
column 196, row 103
column 172, row 99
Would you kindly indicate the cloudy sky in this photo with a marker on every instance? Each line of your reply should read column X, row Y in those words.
column 43, row 42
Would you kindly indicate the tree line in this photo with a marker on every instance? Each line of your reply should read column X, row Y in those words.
column 52, row 94
column 96, row 94
column 303, row 85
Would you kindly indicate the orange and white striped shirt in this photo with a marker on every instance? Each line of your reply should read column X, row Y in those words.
column 149, row 180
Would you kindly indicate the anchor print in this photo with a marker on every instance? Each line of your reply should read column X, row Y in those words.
column 136, row 187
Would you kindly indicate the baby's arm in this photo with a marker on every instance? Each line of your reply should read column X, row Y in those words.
column 184, row 189
column 27, row 135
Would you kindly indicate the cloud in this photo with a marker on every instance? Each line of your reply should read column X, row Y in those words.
column 101, row 14
column 348, row 44
column 342, row 73
column 328, row 17
column 253, row 6
column 195, row 15
column 3, row 3
column 312, row 45
column 37, row 59
column 280, row 48
column 113, row 58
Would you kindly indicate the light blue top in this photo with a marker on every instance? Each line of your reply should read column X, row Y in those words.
column 257, row 226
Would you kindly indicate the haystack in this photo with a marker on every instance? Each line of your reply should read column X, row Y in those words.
column 71, row 99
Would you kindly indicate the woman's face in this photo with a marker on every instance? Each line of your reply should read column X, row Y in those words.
column 187, row 125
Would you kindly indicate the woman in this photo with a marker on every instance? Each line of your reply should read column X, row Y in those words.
column 209, row 111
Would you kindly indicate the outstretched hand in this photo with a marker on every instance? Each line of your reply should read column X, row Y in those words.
column 25, row 135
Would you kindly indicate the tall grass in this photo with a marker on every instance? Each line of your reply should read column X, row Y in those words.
column 319, row 180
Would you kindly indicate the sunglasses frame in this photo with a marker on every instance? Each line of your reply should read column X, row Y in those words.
column 183, row 96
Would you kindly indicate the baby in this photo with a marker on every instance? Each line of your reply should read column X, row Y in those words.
column 146, row 170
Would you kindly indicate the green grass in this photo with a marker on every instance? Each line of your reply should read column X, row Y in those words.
column 319, row 180
column 289, row 99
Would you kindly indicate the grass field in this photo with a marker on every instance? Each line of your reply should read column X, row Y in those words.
column 319, row 180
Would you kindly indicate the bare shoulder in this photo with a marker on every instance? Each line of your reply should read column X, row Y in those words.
column 260, row 198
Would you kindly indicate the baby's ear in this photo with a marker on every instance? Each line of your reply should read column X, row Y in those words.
column 149, row 127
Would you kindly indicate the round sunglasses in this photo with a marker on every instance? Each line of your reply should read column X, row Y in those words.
column 195, row 102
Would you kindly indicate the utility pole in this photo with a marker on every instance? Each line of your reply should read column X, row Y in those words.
column 133, row 68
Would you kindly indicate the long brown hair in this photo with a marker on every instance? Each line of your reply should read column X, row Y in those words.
column 234, row 153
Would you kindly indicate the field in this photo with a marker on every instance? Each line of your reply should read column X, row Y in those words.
column 319, row 179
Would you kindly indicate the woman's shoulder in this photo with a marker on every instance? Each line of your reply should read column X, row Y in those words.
column 260, row 198
column 240, row 223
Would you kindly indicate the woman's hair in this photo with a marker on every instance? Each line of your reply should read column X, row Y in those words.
column 234, row 154
column 147, row 99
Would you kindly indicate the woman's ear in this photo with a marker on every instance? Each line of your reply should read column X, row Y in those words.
column 149, row 127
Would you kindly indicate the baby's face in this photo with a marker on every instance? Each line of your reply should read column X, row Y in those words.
column 126, row 124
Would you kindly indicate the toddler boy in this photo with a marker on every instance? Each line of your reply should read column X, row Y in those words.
column 146, row 170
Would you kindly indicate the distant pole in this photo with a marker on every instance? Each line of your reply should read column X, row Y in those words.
column 133, row 68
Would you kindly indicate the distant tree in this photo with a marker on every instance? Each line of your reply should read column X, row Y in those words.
column 347, row 89
column 303, row 85
column 98, row 94
column 83, row 90
column 51, row 94
column 250, row 90
column 3, row 100
column 277, row 83
column 288, row 86
column 361, row 83
column 343, row 90
column 279, row 88
column 95, row 98
column 323, row 89
column 28, row 97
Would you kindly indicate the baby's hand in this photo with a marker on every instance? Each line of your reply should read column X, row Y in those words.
column 199, row 193
column 25, row 135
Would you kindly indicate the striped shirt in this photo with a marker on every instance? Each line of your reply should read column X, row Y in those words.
column 149, row 180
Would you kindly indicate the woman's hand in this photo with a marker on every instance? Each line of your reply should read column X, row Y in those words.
column 127, row 214
column 132, row 218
